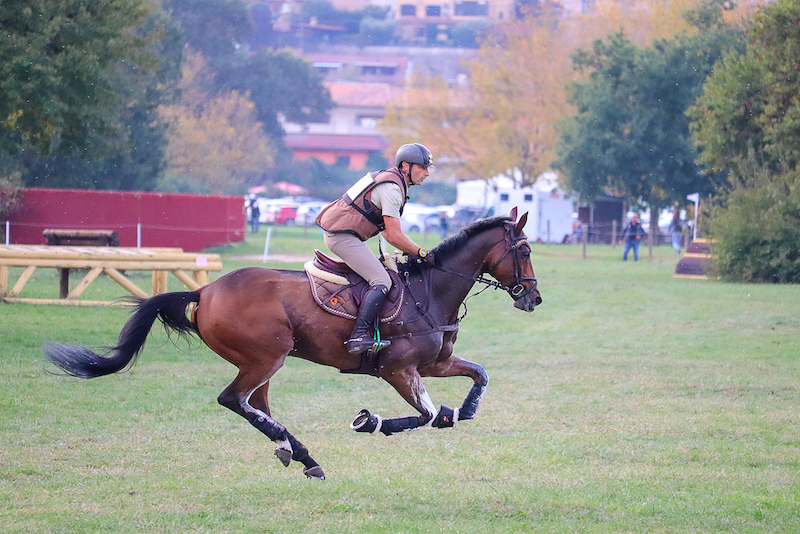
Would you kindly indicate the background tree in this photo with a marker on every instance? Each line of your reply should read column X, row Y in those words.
column 749, row 108
column 747, row 123
column 506, row 119
column 57, row 88
column 630, row 136
column 214, row 144
column 129, row 156
column 215, row 28
column 278, row 83
column 11, row 195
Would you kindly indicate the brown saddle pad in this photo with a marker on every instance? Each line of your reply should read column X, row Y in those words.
column 344, row 299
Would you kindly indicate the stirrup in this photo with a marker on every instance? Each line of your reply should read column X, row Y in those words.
column 361, row 344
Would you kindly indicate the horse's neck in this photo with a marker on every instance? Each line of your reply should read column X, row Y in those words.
column 468, row 263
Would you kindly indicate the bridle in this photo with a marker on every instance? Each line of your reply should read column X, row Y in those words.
column 517, row 291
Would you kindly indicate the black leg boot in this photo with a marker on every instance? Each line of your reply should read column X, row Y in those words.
column 360, row 340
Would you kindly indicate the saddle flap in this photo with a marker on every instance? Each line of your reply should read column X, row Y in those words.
column 342, row 296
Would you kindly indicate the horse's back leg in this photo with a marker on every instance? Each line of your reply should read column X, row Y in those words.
column 233, row 321
column 247, row 396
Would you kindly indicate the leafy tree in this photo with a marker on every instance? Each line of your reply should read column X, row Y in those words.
column 757, row 230
column 506, row 120
column 376, row 32
column 469, row 34
column 278, row 83
column 503, row 122
column 724, row 119
column 57, row 90
column 630, row 135
column 749, row 107
column 747, row 123
column 214, row 144
column 216, row 28
column 133, row 157
column 263, row 33
column 11, row 194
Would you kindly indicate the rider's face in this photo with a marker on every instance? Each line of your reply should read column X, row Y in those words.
column 418, row 174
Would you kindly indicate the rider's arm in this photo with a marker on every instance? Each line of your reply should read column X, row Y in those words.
column 394, row 235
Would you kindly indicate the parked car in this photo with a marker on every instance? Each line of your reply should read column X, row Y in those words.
column 419, row 218
column 286, row 215
column 463, row 216
column 307, row 212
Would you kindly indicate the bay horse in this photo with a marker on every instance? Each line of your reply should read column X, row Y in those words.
column 255, row 317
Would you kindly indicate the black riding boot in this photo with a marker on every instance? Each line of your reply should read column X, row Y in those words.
column 360, row 339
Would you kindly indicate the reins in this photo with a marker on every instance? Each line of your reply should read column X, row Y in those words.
column 517, row 291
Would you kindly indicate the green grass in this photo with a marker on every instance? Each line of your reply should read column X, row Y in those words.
column 630, row 401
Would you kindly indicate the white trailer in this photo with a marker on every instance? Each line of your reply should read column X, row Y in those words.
column 550, row 211
column 550, row 214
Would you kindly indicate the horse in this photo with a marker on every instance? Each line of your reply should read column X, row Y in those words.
column 255, row 317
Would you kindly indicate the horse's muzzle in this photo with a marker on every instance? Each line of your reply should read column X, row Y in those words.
column 528, row 302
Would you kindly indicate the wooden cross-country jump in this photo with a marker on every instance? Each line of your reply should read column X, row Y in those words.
column 190, row 268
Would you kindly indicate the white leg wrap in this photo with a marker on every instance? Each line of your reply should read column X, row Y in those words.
column 378, row 426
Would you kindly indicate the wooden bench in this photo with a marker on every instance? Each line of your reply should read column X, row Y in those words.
column 83, row 238
column 103, row 260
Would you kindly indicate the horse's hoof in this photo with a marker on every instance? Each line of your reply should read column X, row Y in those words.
column 446, row 418
column 285, row 456
column 314, row 472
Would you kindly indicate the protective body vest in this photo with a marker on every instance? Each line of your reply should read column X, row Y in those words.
column 354, row 212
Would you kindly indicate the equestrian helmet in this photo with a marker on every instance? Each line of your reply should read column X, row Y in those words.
column 413, row 153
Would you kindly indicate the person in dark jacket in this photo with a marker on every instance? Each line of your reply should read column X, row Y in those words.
column 374, row 205
column 255, row 214
column 631, row 236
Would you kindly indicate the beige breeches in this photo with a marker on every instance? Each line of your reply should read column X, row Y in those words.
column 358, row 256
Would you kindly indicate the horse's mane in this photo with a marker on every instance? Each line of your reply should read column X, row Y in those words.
column 458, row 240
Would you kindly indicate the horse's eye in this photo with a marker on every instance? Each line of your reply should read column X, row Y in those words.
column 526, row 253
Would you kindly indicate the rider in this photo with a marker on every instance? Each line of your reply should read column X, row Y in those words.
column 373, row 205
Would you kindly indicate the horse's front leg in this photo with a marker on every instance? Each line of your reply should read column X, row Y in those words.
column 408, row 384
column 455, row 366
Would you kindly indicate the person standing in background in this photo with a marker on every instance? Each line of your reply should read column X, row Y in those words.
column 676, row 230
column 255, row 214
column 631, row 237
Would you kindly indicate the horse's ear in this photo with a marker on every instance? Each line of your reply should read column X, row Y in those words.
column 513, row 214
column 520, row 224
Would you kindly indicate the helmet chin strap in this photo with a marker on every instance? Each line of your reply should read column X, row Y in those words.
column 407, row 174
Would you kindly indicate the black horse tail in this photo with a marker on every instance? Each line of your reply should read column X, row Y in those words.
column 82, row 362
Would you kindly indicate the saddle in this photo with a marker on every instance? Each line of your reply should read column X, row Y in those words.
column 339, row 290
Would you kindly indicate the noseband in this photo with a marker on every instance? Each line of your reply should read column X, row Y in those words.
column 517, row 291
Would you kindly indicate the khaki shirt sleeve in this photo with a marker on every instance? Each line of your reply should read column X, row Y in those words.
column 388, row 199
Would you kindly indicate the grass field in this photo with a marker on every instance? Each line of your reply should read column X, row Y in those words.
column 629, row 402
